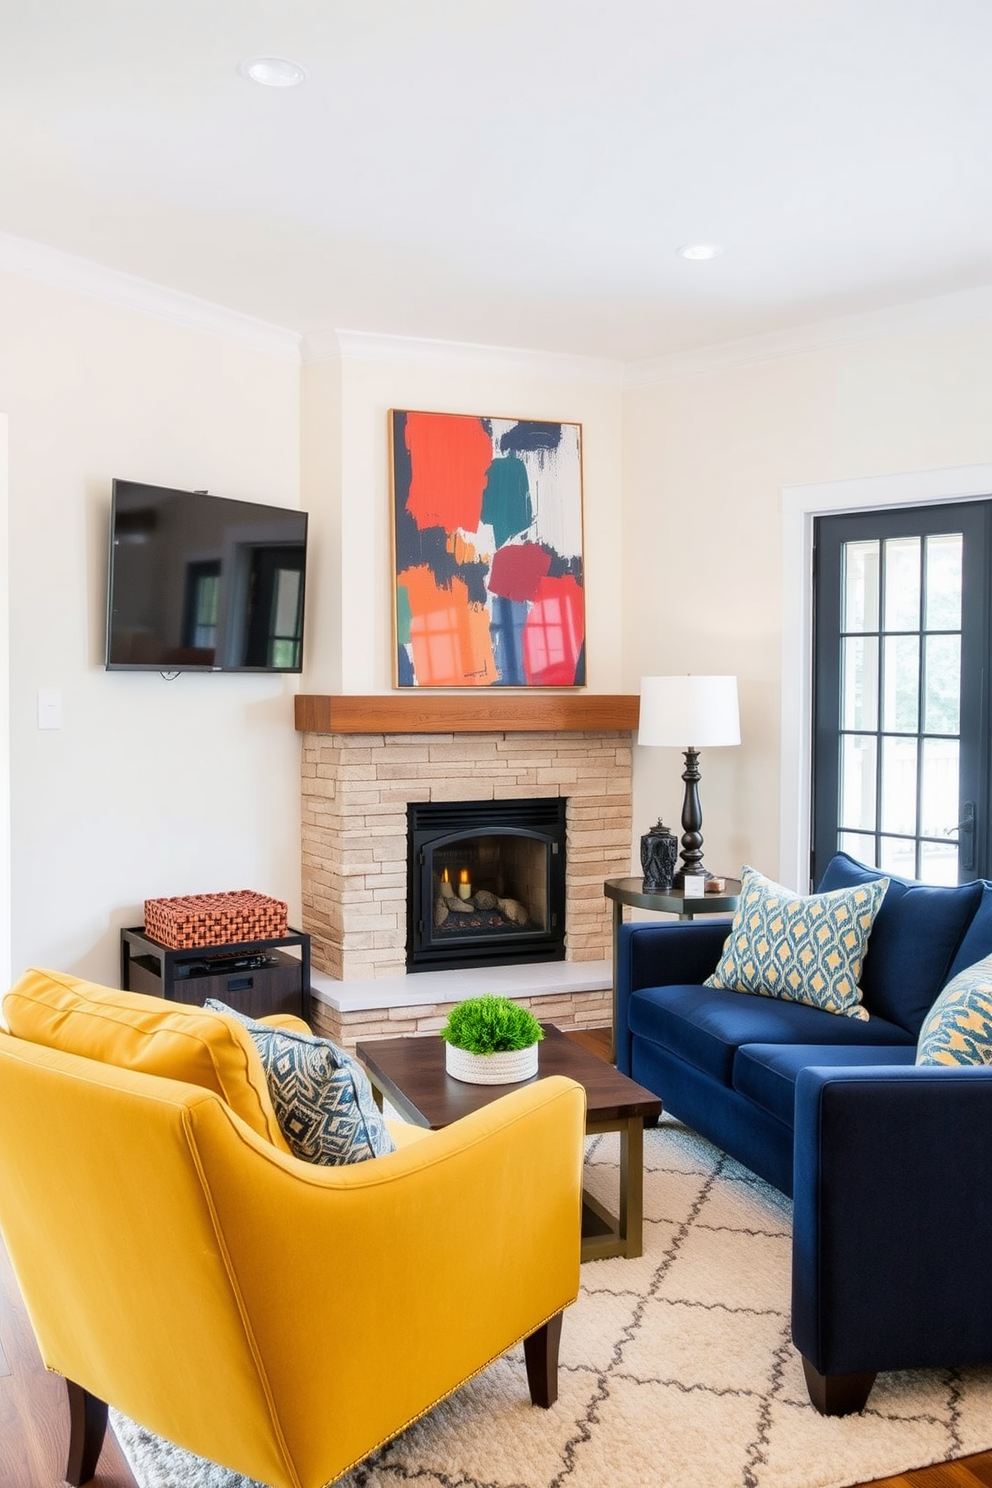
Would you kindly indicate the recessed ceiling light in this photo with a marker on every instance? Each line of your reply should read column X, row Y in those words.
column 273, row 72
column 699, row 250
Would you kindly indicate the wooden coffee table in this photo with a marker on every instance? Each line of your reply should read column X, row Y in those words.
column 410, row 1074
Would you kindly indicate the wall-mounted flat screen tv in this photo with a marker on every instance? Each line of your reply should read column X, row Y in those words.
column 204, row 583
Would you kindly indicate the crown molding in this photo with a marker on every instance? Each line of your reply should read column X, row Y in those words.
column 460, row 356
column 44, row 264
column 47, row 265
column 942, row 312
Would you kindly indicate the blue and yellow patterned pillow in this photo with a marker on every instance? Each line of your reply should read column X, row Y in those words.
column 958, row 1028
column 321, row 1096
column 801, row 948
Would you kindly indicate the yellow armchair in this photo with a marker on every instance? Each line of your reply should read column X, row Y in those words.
column 278, row 1318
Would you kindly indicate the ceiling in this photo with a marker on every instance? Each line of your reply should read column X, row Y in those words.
column 518, row 173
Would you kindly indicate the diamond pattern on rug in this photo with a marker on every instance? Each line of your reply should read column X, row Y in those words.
column 677, row 1369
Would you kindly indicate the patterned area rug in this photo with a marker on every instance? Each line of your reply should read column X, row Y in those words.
column 677, row 1370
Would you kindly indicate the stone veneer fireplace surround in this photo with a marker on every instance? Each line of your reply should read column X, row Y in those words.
column 365, row 758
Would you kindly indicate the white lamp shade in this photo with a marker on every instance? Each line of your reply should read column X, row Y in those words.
column 689, row 712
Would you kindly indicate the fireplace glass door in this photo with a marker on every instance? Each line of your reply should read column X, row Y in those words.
column 486, row 883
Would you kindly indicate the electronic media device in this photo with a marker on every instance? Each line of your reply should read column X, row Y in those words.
column 204, row 583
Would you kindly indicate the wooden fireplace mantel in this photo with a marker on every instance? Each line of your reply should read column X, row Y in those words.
column 492, row 711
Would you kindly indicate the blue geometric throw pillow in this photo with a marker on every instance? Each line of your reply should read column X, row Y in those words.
column 803, row 948
column 322, row 1097
column 958, row 1028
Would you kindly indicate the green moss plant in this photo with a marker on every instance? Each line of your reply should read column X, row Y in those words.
column 491, row 1025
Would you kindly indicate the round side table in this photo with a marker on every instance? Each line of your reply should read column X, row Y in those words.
column 631, row 892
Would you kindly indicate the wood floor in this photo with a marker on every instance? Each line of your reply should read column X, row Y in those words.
column 34, row 1417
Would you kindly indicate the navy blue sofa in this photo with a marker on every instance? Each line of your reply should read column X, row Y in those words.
column 887, row 1162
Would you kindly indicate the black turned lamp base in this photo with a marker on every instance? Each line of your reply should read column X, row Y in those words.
column 691, row 866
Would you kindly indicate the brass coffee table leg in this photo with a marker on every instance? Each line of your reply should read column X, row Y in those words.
column 605, row 1234
column 632, row 1185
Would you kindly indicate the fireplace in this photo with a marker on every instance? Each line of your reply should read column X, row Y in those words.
column 365, row 758
column 485, row 882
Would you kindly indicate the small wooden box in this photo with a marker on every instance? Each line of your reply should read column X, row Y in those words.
column 191, row 920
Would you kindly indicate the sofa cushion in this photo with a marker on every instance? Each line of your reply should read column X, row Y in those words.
column 913, row 940
column 803, row 948
column 321, row 1095
column 706, row 1025
column 137, row 1032
column 766, row 1073
column 958, row 1028
column 976, row 943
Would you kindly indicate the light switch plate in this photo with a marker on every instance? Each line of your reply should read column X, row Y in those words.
column 49, row 708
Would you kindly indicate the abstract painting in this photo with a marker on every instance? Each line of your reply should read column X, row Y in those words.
column 487, row 550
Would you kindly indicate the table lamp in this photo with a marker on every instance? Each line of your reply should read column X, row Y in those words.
column 689, row 713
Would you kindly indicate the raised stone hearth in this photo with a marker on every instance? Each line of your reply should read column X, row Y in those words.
column 572, row 995
column 356, row 787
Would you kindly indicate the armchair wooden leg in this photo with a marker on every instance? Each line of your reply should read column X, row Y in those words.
column 541, row 1357
column 87, row 1427
column 837, row 1394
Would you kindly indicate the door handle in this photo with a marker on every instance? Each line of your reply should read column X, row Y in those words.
column 966, row 846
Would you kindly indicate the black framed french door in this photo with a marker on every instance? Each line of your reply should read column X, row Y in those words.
column 901, row 652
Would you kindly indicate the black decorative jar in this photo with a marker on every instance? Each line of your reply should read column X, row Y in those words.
column 659, row 850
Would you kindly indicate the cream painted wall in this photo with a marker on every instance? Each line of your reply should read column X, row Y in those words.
column 705, row 460
column 368, row 390
column 150, row 787
column 155, row 787
column 322, row 498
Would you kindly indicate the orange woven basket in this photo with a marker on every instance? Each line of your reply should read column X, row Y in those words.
column 191, row 920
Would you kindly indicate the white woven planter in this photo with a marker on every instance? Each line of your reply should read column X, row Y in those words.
column 491, row 1069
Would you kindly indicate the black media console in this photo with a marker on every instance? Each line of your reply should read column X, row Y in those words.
column 256, row 977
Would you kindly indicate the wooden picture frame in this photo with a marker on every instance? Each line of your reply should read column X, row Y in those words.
column 487, row 551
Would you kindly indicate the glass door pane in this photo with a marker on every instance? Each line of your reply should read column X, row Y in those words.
column 944, row 552
column 901, row 691
column 901, row 557
column 858, row 782
column 942, row 685
column 860, row 600
column 899, row 794
column 859, row 700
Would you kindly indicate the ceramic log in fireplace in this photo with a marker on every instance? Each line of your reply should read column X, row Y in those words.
column 485, row 883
